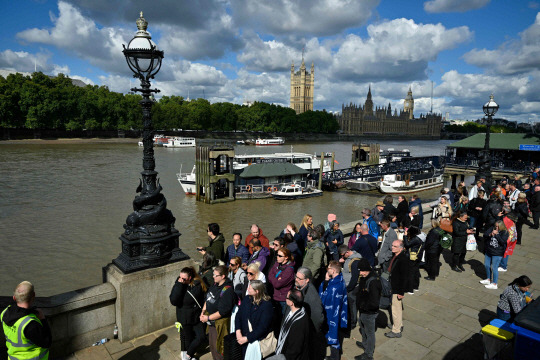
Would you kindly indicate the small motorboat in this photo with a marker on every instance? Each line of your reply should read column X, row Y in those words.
column 294, row 191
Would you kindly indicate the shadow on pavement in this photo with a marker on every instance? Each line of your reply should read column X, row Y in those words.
column 478, row 268
column 147, row 352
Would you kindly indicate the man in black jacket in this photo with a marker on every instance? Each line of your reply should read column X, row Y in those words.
column 24, row 319
column 399, row 281
column 368, row 295
column 535, row 206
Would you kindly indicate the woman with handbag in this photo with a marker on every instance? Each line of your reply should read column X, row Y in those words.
column 414, row 245
column 187, row 295
column 496, row 240
column 443, row 210
column 254, row 323
column 217, row 309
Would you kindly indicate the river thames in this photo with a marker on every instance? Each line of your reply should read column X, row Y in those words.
column 62, row 205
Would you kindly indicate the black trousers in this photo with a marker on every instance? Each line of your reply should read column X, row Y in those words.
column 432, row 264
column 191, row 337
column 414, row 272
column 458, row 259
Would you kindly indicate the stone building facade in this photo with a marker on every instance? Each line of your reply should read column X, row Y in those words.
column 302, row 86
column 367, row 120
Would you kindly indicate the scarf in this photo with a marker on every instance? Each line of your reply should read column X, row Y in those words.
column 287, row 324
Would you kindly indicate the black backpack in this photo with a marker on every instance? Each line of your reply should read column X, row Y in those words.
column 386, row 290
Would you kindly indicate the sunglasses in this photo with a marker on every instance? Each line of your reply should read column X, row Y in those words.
column 275, row 244
column 250, row 273
column 232, row 264
column 280, row 255
column 184, row 279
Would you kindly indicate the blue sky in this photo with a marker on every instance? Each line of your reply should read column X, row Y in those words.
column 237, row 50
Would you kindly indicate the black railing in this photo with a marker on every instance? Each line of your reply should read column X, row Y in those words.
column 496, row 164
column 377, row 171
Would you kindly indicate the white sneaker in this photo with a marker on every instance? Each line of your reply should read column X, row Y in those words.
column 410, row 293
column 485, row 282
column 502, row 269
column 491, row 286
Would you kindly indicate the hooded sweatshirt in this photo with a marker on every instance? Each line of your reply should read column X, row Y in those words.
column 39, row 335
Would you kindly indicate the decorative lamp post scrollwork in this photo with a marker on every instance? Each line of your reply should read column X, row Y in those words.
column 150, row 238
column 484, row 168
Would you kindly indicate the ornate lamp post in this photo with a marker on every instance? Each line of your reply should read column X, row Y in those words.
column 149, row 239
column 484, row 168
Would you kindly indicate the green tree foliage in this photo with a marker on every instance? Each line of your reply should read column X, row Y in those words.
column 41, row 102
column 471, row 127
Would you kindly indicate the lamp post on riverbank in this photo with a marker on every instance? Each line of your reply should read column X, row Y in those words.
column 149, row 239
column 484, row 166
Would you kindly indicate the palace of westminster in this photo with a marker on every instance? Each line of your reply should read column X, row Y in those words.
column 365, row 120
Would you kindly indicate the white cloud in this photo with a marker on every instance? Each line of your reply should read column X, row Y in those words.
column 440, row 6
column 398, row 50
column 513, row 57
column 26, row 62
column 303, row 17
column 80, row 36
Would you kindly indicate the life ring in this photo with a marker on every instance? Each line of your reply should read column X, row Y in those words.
column 269, row 188
column 275, row 188
column 248, row 188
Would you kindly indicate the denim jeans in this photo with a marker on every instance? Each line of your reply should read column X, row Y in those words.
column 472, row 221
column 504, row 263
column 502, row 315
column 367, row 329
column 494, row 261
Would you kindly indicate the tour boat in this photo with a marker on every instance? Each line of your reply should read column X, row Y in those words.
column 159, row 140
column 180, row 142
column 372, row 182
column 294, row 191
column 187, row 181
column 413, row 182
column 266, row 142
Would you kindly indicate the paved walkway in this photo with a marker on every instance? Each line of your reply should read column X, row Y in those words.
column 441, row 321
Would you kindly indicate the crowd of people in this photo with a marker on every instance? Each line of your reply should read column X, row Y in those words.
column 297, row 296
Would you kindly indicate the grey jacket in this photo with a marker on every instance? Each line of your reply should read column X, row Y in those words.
column 385, row 252
column 347, row 267
column 314, row 257
column 313, row 303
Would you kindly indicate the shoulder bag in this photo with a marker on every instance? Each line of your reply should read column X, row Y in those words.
column 268, row 344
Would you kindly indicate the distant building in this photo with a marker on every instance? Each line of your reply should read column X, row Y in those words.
column 302, row 86
column 367, row 120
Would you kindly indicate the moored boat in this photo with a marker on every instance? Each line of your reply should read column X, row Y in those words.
column 295, row 191
column 409, row 183
column 187, row 181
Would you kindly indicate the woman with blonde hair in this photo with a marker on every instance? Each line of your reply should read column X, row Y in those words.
column 307, row 224
column 254, row 319
column 253, row 272
column 443, row 209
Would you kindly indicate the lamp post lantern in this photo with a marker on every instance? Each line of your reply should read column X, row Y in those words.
column 150, row 238
column 484, row 167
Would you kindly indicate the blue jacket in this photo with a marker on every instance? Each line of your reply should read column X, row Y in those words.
column 242, row 251
column 373, row 226
column 260, row 317
column 334, row 301
column 367, row 246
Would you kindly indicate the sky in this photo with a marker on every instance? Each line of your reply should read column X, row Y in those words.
column 240, row 50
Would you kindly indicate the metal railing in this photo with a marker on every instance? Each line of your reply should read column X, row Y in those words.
column 270, row 188
column 377, row 171
column 496, row 164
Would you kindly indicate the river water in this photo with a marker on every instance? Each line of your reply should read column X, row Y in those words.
column 62, row 206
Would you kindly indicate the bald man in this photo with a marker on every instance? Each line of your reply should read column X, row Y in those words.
column 25, row 328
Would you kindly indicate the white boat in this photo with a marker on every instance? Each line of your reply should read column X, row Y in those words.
column 309, row 162
column 266, row 142
column 295, row 191
column 187, row 181
column 372, row 182
column 180, row 142
column 408, row 183
column 159, row 140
